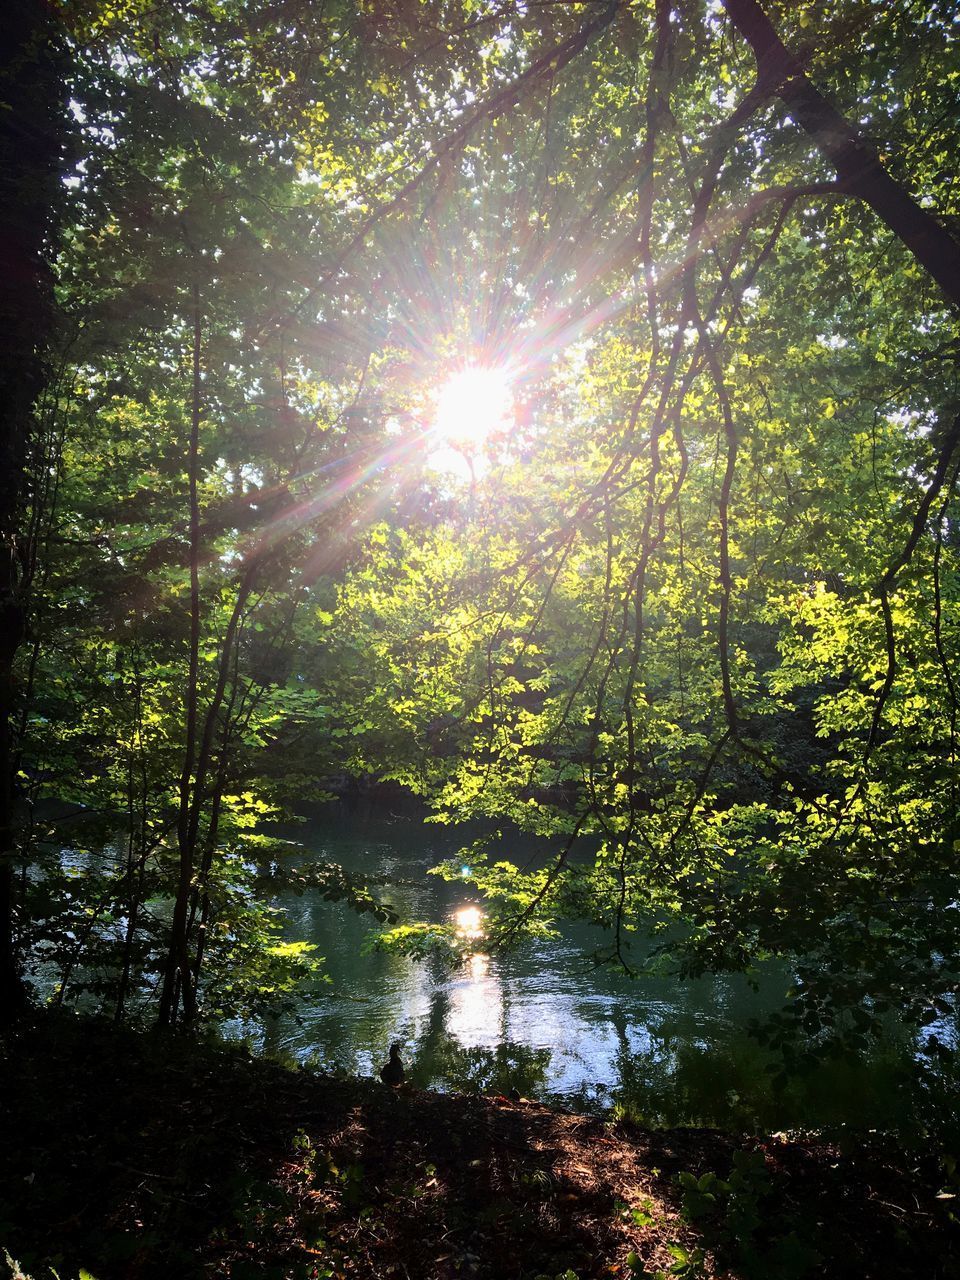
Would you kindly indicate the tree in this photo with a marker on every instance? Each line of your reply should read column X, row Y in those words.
column 700, row 593
column 698, row 610
column 32, row 144
column 214, row 170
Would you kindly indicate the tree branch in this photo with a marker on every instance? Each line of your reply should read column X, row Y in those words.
column 857, row 162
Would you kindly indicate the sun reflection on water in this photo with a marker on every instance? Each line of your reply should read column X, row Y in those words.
column 475, row 1012
column 469, row 922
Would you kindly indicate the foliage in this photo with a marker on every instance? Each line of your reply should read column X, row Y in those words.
column 737, row 1224
column 694, row 619
column 700, row 611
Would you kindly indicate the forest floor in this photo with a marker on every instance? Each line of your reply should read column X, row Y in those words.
column 134, row 1156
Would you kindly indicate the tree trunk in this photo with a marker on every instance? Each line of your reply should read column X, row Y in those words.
column 176, row 979
column 32, row 132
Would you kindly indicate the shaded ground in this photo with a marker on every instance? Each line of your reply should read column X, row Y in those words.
column 137, row 1157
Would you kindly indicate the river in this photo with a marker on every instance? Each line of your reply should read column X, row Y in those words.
column 543, row 1020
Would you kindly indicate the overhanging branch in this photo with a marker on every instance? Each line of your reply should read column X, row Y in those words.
column 857, row 162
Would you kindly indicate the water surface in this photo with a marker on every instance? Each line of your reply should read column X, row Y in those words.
column 544, row 1020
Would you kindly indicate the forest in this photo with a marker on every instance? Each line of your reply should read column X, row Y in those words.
column 536, row 422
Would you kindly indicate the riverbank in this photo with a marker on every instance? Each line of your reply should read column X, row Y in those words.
column 135, row 1157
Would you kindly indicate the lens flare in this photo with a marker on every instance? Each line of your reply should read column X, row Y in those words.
column 471, row 405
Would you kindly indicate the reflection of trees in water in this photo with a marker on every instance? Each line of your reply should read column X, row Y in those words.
column 678, row 1081
column 441, row 1059
column 273, row 1038
column 640, row 1047
column 433, row 1036
column 664, row 1076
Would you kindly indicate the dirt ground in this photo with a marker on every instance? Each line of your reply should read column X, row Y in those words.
column 135, row 1156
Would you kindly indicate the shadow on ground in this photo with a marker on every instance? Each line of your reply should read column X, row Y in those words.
column 139, row 1157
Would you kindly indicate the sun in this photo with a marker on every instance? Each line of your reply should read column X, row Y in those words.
column 471, row 405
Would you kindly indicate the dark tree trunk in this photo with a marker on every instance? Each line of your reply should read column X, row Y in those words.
column 32, row 134
column 856, row 161
column 178, row 975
